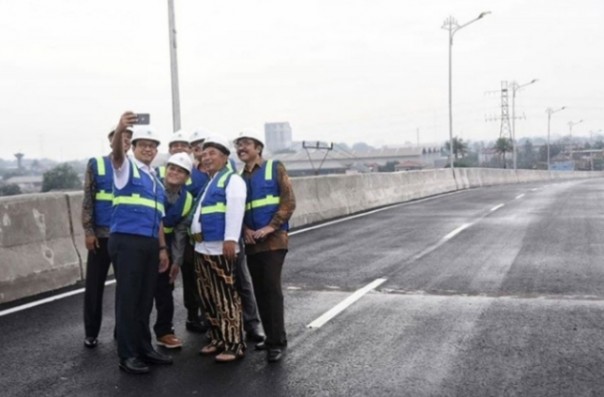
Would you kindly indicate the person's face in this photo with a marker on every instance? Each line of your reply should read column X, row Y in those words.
column 247, row 149
column 197, row 151
column 145, row 150
column 180, row 147
column 213, row 159
column 176, row 175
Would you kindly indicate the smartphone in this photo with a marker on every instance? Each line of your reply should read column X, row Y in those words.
column 143, row 118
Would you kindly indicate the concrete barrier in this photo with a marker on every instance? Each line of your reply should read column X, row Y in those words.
column 36, row 245
column 42, row 240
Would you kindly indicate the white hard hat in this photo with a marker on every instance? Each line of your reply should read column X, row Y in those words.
column 112, row 131
column 251, row 134
column 218, row 141
column 178, row 136
column 199, row 135
column 182, row 160
column 144, row 133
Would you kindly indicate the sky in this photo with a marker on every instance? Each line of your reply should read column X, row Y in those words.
column 348, row 71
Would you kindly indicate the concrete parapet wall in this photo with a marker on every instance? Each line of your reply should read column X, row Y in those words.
column 36, row 245
column 42, row 240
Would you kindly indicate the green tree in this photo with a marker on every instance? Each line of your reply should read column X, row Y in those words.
column 460, row 148
column 527, row 157
column 10, row 190
column 61, row 177
column 503, row 146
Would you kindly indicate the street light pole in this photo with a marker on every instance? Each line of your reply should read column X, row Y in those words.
column 516, row 87
column 174, row 68
column 453, row 27
column 549, row 112
column 570, row 130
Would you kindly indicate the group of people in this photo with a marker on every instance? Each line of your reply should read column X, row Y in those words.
column 225, row 231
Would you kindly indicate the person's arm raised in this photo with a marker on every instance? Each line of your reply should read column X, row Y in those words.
column 117, row 144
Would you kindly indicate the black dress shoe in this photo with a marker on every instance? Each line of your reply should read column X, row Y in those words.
column 274, row 355
column 261, row 346
column 254, row 335
column 197, row 326
column 156, row 358
column 133, row 365
column 90, row 342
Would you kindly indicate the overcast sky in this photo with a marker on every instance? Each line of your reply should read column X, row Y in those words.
column 337, row 70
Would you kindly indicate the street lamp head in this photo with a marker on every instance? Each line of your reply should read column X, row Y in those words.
column 482, row 14
column 533, row 81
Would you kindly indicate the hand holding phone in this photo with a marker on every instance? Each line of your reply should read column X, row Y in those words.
column 143, row 118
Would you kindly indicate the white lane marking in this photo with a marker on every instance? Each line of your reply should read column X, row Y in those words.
column 495, row 208
column 520, row 196
column 46, row 300
column 349, row 217
column 337, row 309
column 534, row 189
column 457, row 231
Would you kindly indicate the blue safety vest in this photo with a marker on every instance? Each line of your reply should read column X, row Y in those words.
column 102, row 170
column 213, row 207
column 177, row 211
column 138, row 207
column 263, row 197
column 199, row 180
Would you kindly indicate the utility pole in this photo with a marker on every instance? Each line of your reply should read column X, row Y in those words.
column 570, row 130
column 549, row 112
column 174, row 68
column 453, row 27
column 516, row 87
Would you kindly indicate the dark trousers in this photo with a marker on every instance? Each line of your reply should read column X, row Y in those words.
column 164, row 304
column 243, row 281
column 97, row 267
column 136, row 259
column 190, row 294
column 265, row 269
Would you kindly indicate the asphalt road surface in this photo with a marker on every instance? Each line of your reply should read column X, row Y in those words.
column 488, row 292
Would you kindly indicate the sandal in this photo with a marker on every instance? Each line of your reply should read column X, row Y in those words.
column 211, row 348
column 229, row 356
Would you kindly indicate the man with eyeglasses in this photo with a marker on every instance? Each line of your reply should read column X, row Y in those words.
column 137, row 245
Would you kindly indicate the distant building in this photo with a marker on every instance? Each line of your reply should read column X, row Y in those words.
column 320, row 162
column 27, row 184
column 278, row 136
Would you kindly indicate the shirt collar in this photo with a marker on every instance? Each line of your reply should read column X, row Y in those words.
column 257, row 164
column 143, row 166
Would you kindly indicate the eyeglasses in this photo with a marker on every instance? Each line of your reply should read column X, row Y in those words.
column 146, row 145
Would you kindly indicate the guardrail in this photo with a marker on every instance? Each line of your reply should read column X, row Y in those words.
column 42, row 240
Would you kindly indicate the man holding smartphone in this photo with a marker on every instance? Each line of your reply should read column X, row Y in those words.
column 137, row 245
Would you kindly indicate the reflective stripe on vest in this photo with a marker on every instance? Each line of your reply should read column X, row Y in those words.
column 162, row 171
column 100, row 165
column 270, row 199
column 218, row 207
column 136, row 199
column 101, row 194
